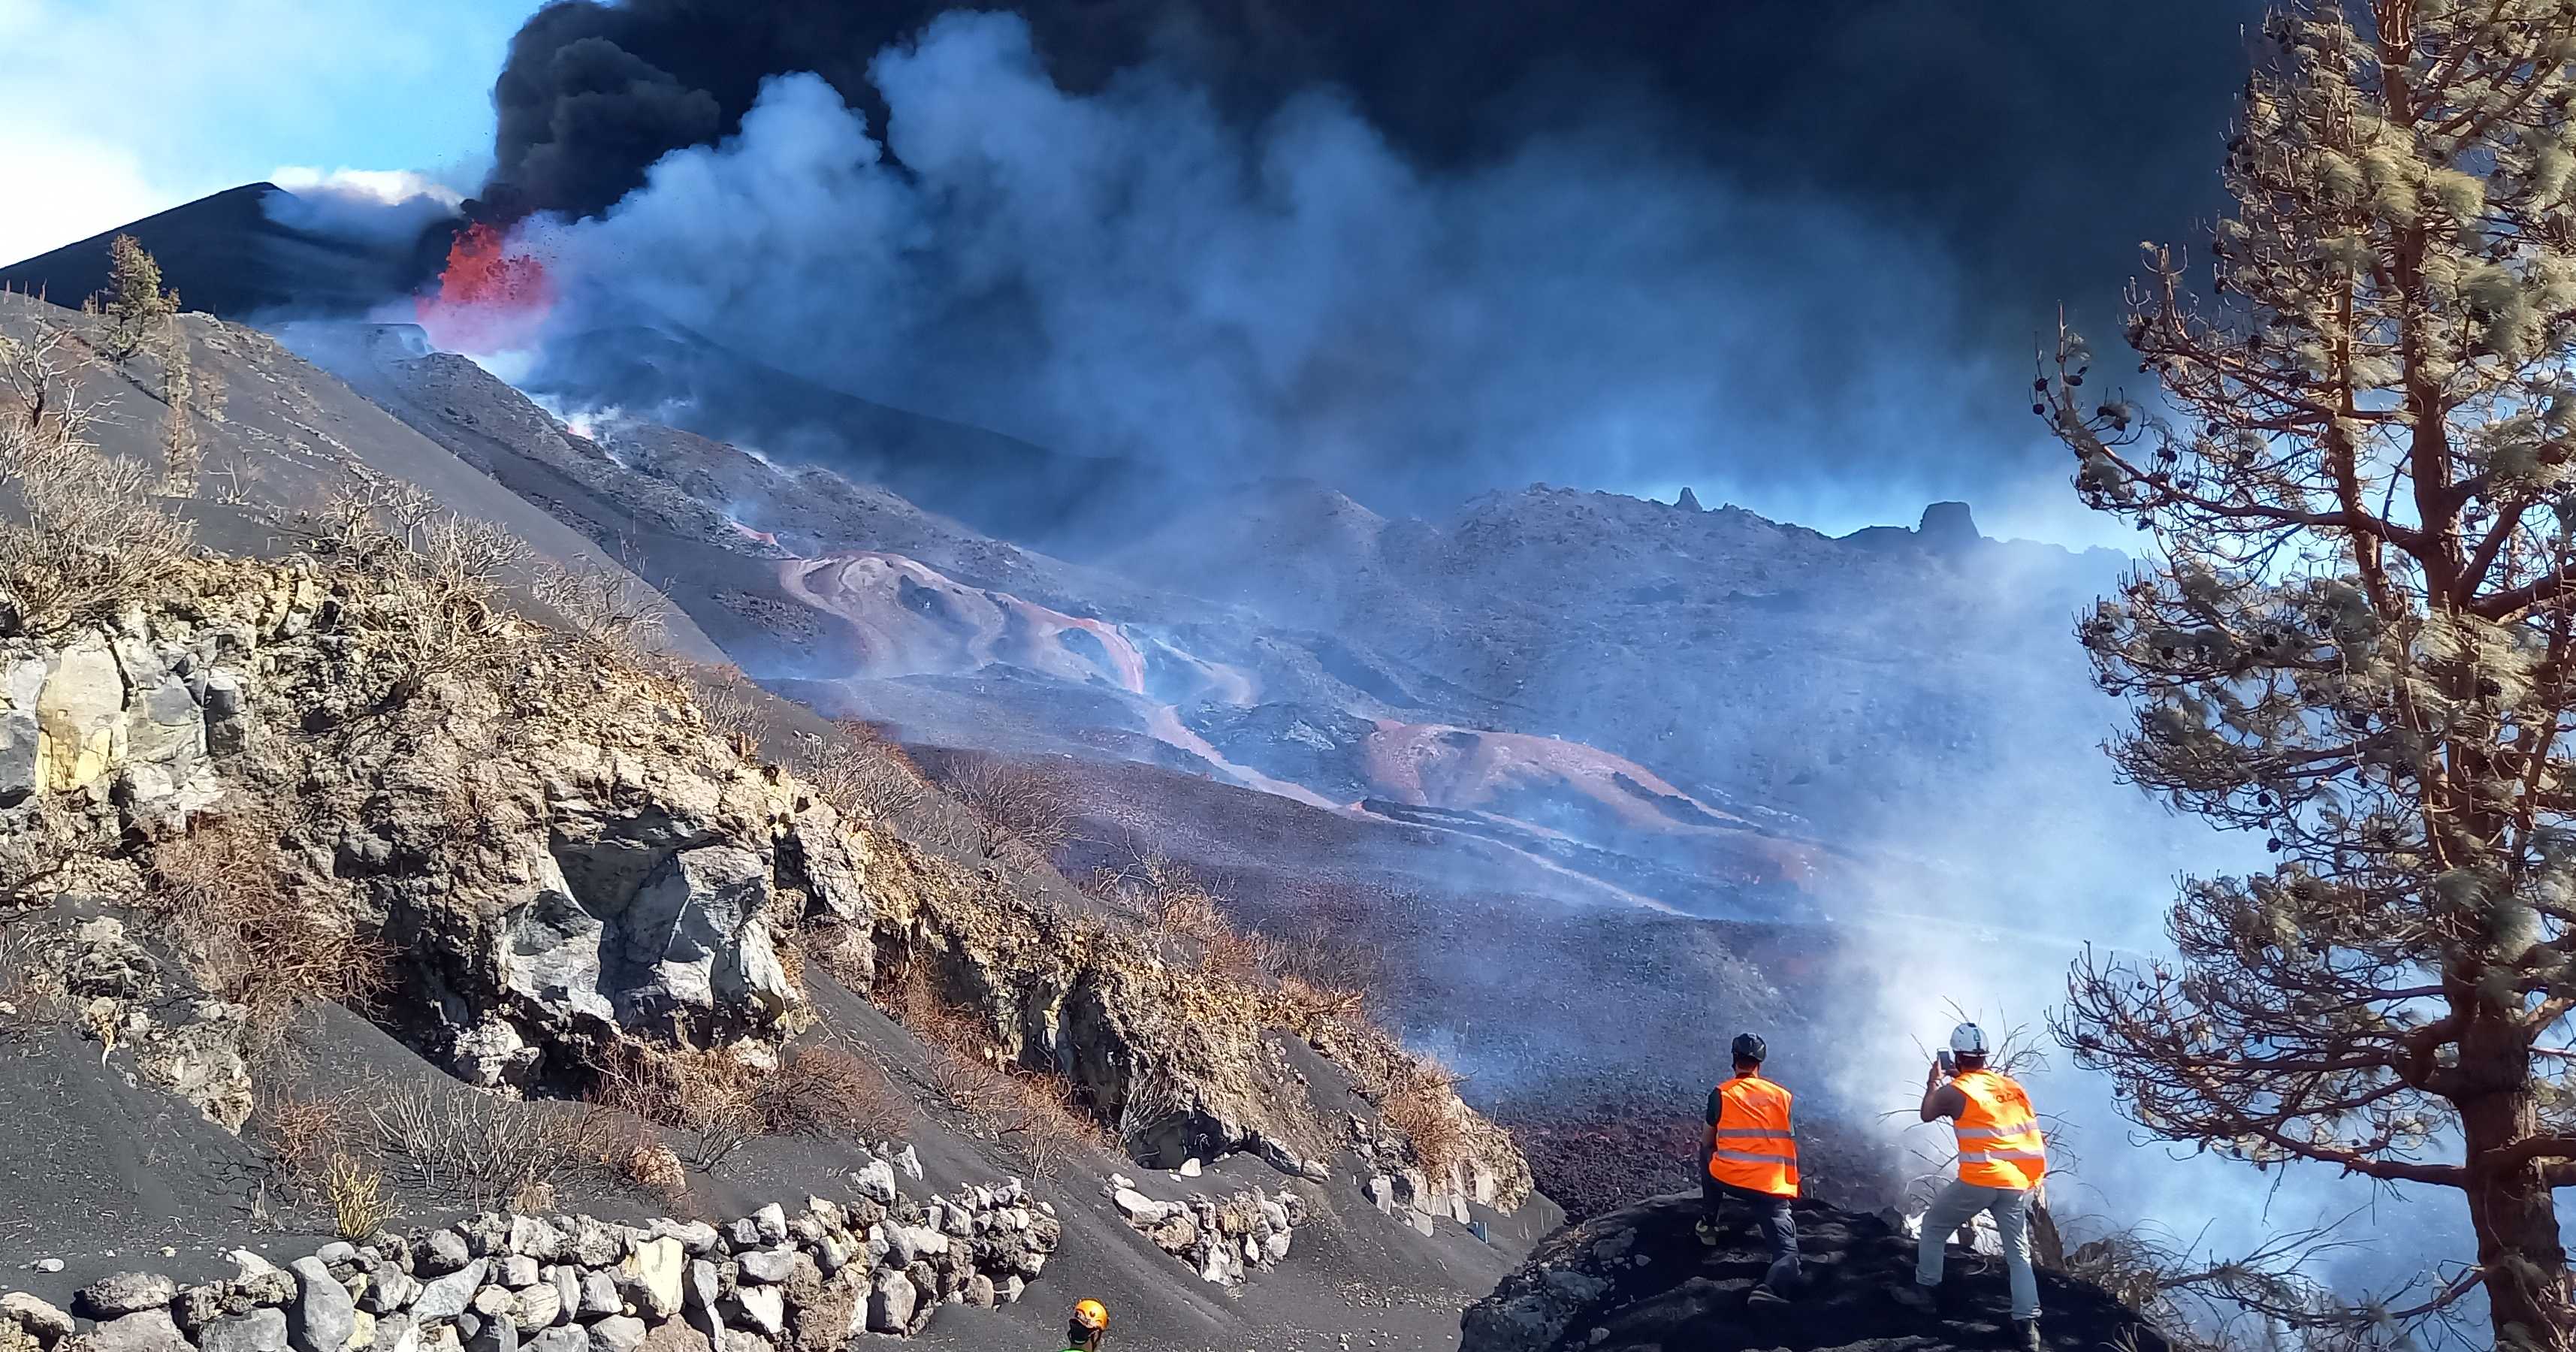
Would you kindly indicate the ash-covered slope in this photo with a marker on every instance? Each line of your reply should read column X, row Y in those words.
column 1737, row 656
column 875, row 608
column 1637, row 1279
column 235, row 255
column 271, row 439
column 336, row 853
column 999, row 484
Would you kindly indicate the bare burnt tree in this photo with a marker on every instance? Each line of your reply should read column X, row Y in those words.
column 2355, row 638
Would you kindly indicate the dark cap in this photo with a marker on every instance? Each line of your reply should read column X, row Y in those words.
column 1749, row 1049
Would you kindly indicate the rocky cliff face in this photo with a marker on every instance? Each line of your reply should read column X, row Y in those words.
column 540, row 865
column 527, row 856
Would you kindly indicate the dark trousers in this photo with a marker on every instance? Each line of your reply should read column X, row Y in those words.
column 1718, row 1202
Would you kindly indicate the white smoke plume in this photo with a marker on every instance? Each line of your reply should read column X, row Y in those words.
column 1125, row 275
column 386, row 208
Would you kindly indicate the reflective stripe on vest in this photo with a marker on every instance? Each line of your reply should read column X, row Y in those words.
column 2000, row 1145
column 1752, row 1147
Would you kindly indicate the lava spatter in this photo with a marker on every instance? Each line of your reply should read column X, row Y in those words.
column 493, row 295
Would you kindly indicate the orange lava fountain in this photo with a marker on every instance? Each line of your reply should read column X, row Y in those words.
column 491, row 297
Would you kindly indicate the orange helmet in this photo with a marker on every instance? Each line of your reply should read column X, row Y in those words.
column 1091, row 1314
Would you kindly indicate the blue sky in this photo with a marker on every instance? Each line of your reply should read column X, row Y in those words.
column 118, row 108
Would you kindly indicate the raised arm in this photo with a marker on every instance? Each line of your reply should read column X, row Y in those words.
column 1940, row 1097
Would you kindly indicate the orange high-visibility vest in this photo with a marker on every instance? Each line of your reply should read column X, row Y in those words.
column 1752, row 1147
column 1999, row 1141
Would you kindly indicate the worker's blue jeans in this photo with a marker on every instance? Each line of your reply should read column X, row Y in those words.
column 1779, row 1229
column 1958, row 1204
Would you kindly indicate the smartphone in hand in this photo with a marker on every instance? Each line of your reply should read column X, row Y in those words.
column 1949, row 1063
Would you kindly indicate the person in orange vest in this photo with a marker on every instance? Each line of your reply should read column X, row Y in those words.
column 1753, row 1165
column 2002, row 1157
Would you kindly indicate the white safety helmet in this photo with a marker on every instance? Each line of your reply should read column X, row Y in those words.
column 1968, row 1040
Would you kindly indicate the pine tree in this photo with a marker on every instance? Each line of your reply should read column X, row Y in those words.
column 135, row 304
column 182, row 456
column 2358, row 633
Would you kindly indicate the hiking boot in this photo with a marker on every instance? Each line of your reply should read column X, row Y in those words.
column 1763, row 1295
column 1916, row 1297
column 1710, row 1234
column 2025, row 1336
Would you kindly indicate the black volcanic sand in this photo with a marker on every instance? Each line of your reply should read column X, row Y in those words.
column 1687, row 1297
column 103, row 1171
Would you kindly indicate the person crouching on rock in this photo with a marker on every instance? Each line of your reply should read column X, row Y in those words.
column 2001, row 1159
column 1753, row 1166
column 1089, row 1329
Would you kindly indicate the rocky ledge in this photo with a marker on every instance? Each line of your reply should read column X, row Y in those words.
column 769, row 1282
column 1639, row 1279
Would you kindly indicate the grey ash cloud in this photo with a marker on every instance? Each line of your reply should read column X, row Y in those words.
column 1941, row 174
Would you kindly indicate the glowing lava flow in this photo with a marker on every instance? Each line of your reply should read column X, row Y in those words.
column 491, row 297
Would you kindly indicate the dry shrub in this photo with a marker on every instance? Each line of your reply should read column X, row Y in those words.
column 304, row 1134
column 710, row 1097
column 1176, row 904
column 463, row 1146
column 32, row 862
column 1322, row 973
column 1309, row 1003
column 91, row 540
column 1018, row 810
column 717, row 1101
column 1033, row 1115
column 360, row 1206
column 2269, row 1298
column 604, row 608
column 533, row 1198
column 860, row 773
column 1044, row 1123
column 651, row 1165
column 1419, row 1098
column 826, row 1092
column 248, row 937
column 730, row 705
column 32, row 997
column 1325, row 941
column 441, row 611
column 613, row 1145
column 456, row 622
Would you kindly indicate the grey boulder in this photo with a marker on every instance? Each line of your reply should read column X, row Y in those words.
column 323, row 1316
column 123, row 1294
column 262, row 1330
column 448, row 1296
column 141, row 1331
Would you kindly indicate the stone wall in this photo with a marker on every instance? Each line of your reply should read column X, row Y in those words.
column 769, row 1282
column 1222, row 1239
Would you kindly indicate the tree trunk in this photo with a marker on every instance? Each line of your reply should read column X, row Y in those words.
column 2528, row 1295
